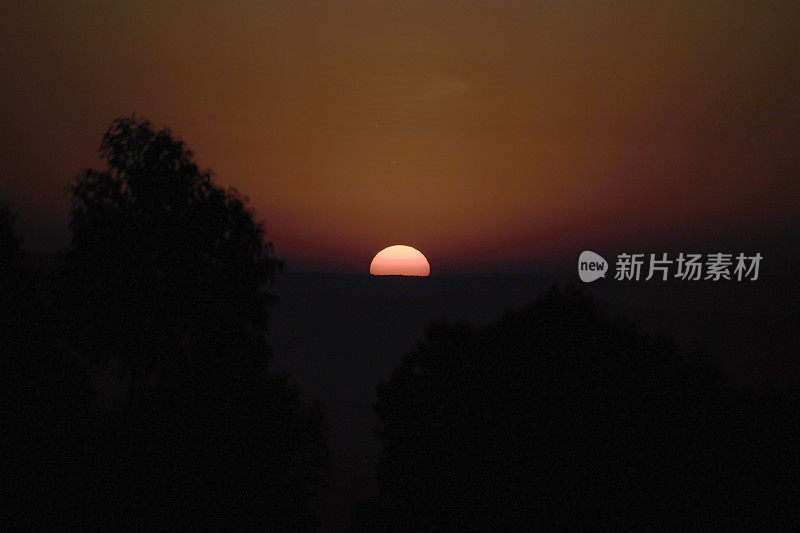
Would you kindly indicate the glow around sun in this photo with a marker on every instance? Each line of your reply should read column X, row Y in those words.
column 400, row 260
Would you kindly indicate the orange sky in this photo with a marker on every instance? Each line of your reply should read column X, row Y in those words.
column 477, row 132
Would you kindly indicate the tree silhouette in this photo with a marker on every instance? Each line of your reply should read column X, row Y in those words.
column 557, row 416
column 164, row 265
column 169, row 274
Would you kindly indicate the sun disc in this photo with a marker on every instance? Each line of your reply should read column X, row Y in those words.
column 399, row 260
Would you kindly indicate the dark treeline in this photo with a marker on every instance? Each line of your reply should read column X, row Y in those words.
column 557, row 416
column 167, row 274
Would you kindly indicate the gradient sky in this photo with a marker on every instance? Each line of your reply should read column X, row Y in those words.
column 480, row 133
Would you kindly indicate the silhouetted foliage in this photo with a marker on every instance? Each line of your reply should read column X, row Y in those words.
column 246, row 459
column 164, row 265
column 557, row 416
column 9, row 243
column 43, row 404
column 169, row 275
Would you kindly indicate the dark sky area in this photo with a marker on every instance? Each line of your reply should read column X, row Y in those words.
column 483, row 134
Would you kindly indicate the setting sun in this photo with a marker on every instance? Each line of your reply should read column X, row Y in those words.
column 399, row 260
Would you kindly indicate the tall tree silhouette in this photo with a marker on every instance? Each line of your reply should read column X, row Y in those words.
column 169, row 274
column 166, row 264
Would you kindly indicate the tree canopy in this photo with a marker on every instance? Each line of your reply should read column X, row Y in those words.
column 559, row 416
column 169, row 274
column 164, row 264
